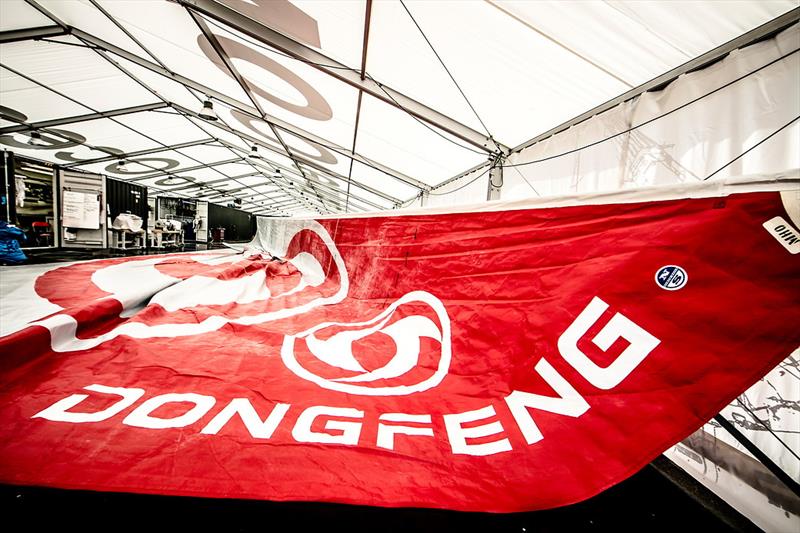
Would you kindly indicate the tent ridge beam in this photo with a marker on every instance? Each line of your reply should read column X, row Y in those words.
column 299, row 51
column 83, row 118
column 26, row 34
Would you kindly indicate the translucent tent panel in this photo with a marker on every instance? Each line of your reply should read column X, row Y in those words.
column 208, row 153
column 705, row 137
column 270, row 159
column 377, row 179
column 252, row 180
column 292, row 90
column 522, row 72
column 18, row 14
column 637, row 41
column 233, row 169
column 645, row 54
column 163, row 127
column 322, row 155
column 399, row 57
column 33, row 100
column 178, row 184
column 45, row 153
column 216, row 130
column 83, row 15
column 166, row 88
column 205, row 175
column 167, row 31
column 76, row 72
column 340, row 25
column 699, row 26
column 396, row 139
column 359, row 195
column 687, row 145
column 245, row 124
column 168, row 160
column 107, row 132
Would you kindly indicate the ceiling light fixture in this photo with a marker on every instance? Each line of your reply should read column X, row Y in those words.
column 208, row 113
column 36, row 139
column 121, row 165
column 254, row 152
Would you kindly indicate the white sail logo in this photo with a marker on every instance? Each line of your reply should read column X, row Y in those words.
column 324, row 353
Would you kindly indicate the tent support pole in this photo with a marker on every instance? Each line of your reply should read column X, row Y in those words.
column 793, row 485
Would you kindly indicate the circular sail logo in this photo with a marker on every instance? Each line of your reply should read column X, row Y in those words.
column 403, row 350
column 671, row 277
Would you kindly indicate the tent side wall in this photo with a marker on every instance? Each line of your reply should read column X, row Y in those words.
column 680, row 136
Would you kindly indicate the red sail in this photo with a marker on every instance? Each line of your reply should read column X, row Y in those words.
column 496, row 361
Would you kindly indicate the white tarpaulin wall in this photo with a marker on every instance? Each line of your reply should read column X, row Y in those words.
column 362, row 106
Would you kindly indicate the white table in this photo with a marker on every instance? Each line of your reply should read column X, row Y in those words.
column 124, row 239
column 166, row 238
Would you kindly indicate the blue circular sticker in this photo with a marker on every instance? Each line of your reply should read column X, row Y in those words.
column 671, row 277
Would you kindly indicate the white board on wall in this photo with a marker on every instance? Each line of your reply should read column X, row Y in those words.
column 81, row 210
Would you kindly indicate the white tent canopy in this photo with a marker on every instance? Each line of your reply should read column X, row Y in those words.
column 352, row 105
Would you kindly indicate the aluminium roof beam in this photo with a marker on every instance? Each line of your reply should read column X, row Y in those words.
column 83, row 118
column 351, row 76
column 26, row 34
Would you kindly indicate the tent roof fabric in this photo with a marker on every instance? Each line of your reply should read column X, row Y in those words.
column 360, row 105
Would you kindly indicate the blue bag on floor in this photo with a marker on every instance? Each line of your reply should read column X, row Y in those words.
column 10, row 251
